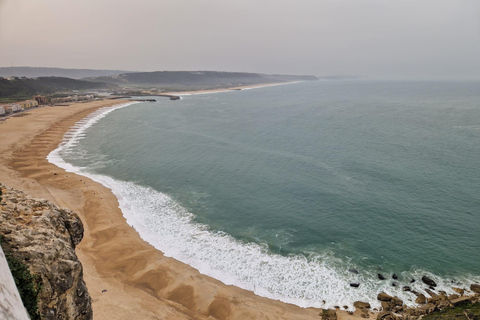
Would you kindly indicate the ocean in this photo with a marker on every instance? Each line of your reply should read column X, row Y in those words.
column 296, row 191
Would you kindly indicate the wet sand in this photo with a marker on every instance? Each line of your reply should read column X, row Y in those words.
column 140, row 282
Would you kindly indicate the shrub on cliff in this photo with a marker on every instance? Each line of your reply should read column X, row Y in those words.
column 467, row 311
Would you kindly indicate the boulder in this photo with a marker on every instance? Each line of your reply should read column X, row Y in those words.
column 475, row 288
column 361, row 305
column 354, row 285
column 381, row 277
column 406, row 288
column 431, row 293
column 386, row 315
column 428, row 281
column 453, row 296
column 421, row 299
column 429, row 308
column 394, row 276
column 328, row 314
column 382, row 296
column 443, row 304
column 459, row 291
column 386, row 306
column 397, row 301
column 460, row 301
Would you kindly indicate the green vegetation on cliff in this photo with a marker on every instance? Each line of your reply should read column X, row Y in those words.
column 25, row 88
column 28, row 285
column 466, row 311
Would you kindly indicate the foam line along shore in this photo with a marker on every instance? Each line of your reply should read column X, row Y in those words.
column 140, row 282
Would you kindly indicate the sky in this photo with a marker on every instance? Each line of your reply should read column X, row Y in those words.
column 390, row 39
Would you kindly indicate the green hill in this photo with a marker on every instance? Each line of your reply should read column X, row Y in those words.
column 194, row 80
column 34, row 72
column 25, row 88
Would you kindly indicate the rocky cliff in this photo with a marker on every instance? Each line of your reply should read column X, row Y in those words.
column 43, row 237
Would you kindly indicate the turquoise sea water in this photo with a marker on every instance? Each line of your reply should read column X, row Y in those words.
column 282, row 189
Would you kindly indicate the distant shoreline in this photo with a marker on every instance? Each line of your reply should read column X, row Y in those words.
column 239, row 88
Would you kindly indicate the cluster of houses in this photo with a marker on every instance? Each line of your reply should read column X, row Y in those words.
column 9, row 108
column 14, row 107
column 74, row 98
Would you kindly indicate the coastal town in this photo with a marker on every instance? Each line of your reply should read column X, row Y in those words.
column 7, row 109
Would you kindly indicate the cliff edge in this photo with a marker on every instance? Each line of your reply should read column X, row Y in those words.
column 43, row 237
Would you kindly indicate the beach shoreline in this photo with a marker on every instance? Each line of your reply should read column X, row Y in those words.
column 140, row 282
column 239, row 88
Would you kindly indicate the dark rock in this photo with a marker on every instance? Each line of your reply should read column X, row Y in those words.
column 381, row 277
column 394, row 276
column 382, row 296
column 428, row 281
column 412, row 281
column 406, row 288
column 394, row 284
column 353, row 270
column 354, row 285
column 475, row 288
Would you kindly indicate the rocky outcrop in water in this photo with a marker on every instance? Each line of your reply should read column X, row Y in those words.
column 43, row 237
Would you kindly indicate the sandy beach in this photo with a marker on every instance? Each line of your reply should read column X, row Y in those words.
column 126, row 277
column 255, row 86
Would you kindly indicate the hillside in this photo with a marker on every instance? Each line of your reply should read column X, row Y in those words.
column 21, row 88
column 181, row 80
column 33, row 72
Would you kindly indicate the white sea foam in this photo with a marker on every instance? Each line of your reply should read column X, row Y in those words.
column 297, row 279
column 77, row 132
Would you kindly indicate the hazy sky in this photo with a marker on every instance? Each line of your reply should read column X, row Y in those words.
column 379, row 38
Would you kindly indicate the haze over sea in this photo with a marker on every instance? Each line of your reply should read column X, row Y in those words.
column 283, row 189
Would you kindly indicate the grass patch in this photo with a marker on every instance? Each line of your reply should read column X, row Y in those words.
column 14, row 99
column 466, row 311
